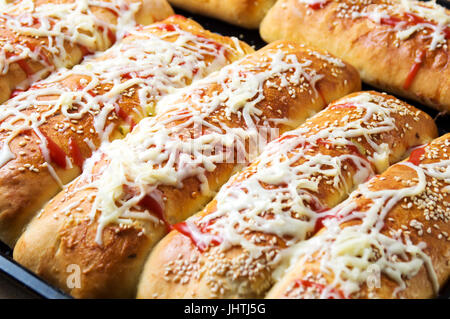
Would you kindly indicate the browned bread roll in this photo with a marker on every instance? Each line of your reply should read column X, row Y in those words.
column 247, row 14
column 238, row 245
column 39, row 36
column 132, row 190
column 49, row 130
column 390, row 239
column 401, row 46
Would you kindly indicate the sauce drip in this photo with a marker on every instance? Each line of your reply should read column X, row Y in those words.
column 166, row 27
column 126, row 117
column 111, row 35
column 319, row 222
column 217, row 46
column 411, row 19
column 342, row 106
column 391, row 21
column 85, row 50
column 16, row 92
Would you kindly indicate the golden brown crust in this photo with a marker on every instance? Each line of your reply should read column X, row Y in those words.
column 21, row 72
column 26, row 183
column 243, row 13
column 179, row 203
column 177, row 268
column 383, row 60
column 423, row 217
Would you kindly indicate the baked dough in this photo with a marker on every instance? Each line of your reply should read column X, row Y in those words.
column 401, row 46
column 241, row 242
column 68, row 115
column 243, row 13
column 40, row 36
column 168, row 168
column 390, row 239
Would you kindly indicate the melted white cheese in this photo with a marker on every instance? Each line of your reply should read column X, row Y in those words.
column 351, row 253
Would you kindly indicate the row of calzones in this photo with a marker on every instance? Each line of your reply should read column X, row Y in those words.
column 40, row 36
column 179, row 163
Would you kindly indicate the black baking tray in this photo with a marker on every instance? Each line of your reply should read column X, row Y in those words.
column 34, row 286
